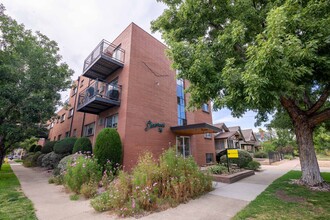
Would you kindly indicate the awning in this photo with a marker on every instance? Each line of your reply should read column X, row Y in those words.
column 200, row 128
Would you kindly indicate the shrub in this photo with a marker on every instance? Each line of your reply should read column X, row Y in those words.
column 288, row 157
column 31, row 160
column 242, row 161
column 260, row 154
column 253, row 165
column 31, row 149
column 108, row 147
column 57, row 180
column 171, row 181
column 39, row 160
column 65, row 146
column 49, row 147
column 89, row 190
column 37, row 148
column 63, row 164
column 51, row 160
column 81, row 170
column 218, row 169
column 82, row 145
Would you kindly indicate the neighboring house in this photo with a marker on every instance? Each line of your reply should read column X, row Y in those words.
column 250, row 142
column 129, row 85
column 227, row 138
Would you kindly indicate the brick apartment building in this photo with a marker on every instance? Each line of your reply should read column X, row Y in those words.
column 129, row 85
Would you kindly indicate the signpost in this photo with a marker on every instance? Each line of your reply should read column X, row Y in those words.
column 231, row 153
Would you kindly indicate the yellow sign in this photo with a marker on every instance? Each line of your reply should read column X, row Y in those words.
column 232, row 153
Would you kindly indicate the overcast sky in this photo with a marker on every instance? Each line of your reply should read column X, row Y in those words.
column 79, row 25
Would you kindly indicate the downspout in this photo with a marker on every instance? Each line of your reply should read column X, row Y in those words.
column 75, row 107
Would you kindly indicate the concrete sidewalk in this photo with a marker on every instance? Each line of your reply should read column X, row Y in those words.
column 51, row 202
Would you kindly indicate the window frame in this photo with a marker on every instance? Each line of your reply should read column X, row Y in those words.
column 207, row 109
column 70, row 115
column 86, row 134
column 112, row 117
column 62, row 117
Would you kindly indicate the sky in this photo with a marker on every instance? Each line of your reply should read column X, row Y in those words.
column 79, row 25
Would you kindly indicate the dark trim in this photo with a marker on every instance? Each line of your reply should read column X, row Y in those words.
column 196, row 126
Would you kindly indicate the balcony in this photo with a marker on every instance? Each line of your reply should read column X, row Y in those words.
column 99, row 97
column 105, row 59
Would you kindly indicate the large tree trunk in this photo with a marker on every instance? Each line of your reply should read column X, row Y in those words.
column 310, row 168
column 304, row 126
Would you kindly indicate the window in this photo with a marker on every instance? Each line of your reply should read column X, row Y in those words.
column 101, row 122
column 67, row 134
column 89, row 129
column 112, row 121
column 205, row 107
column 52, row 125
column 63, row 117
column 54, row 138
column 81, row 83
column 209, row 157
column 208, row 135
column 181, row 102
column 59, row 137
column 70, row 113
column 74, row 133
column 74, row 90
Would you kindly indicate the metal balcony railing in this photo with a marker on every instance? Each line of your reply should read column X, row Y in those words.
column 104, row 59
column 98, row 97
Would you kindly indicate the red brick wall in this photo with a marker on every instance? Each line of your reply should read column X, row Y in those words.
column 148, row 92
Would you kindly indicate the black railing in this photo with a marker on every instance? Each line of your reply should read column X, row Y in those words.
column 274, row 157
column 105, row 48
column 107, row 91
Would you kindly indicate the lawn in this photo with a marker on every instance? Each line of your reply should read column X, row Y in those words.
column 323, row 157
column 282, row 200
column 13, row 203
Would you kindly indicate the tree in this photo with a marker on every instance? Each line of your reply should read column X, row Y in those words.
column 256, row 55
column 322, row 139
column 31, row 77
column 108, row 148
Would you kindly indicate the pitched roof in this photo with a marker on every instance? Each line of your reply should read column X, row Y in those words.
column 237, row 129
column 222, row 126
column 234, row 128
column 225, row 135
column 248, row 135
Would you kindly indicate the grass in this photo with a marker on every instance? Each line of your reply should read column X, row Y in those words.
column 274, row 202
column 323, row 157
column 74, row 197
column 18, row 160
column 13, row 203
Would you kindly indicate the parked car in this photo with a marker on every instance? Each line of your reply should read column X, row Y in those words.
column 10, row 157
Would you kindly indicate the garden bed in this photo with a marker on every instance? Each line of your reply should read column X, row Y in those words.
column 231, row 178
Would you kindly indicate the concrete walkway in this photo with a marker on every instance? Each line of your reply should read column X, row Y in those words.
column 51, row 202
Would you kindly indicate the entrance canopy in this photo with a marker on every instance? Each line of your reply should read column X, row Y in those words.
column 200, row 128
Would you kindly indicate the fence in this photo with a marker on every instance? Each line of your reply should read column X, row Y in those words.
column 275, row 156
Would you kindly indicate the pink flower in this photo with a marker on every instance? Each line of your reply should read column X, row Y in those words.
column 154, row 184
column 133, row 204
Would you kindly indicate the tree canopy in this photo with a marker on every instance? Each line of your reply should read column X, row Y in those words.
column 31, row 77
column 258, row 55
